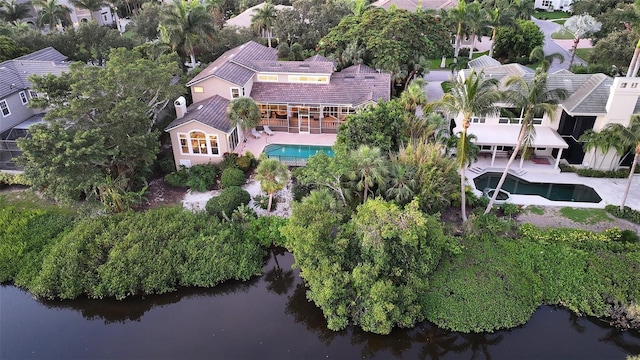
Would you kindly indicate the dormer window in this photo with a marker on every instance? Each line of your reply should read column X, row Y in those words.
column 623, row 85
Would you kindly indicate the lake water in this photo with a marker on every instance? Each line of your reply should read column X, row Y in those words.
column 270, row 318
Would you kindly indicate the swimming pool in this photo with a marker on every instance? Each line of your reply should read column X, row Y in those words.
column 551, row 191
column 295, row 154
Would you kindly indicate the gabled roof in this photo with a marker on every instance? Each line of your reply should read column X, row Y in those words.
column 359, row 69
column 304, row 67
column 46, row 54
column 14, row 73
column 318, row 58
column 586, row 93
column 211, row 112
column 413, row 5
column 344, row 88
column 483, row 62
column 241, row 56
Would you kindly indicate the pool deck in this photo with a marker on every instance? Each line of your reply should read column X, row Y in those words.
column 610, row 190
column 256, row 146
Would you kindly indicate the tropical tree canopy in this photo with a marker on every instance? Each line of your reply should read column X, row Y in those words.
column 273, row 177
column 102, row 125
column 185, row 26
column 264, row 19
column 51, row 13
column 11, row 11
column 243, row 113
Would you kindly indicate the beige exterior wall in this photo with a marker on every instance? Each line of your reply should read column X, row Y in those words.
column 249, row 86
column 212, row 86
column 195, row 159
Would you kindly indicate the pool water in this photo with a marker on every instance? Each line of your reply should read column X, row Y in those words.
column 295, row 152
column 553, row 192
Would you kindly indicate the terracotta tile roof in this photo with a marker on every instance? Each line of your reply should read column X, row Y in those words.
column 304, row 67
column 242, row 56
column 359, row 69
column 344, row 89
column 211, row 112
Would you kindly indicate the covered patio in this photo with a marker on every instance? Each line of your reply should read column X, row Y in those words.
column 497, row 143
column 304, row 118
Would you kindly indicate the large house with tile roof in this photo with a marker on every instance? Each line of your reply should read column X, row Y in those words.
column 593, row 101
column 15, row 94
column 293, row 96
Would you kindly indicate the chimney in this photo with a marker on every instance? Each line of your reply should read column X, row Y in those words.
column 181, row 107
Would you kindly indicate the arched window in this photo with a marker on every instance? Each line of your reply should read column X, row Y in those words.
column 197, row 142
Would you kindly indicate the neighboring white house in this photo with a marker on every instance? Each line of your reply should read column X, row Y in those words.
column 564, row 5
column 104, row 16
column 413, row 5
column 593, row 102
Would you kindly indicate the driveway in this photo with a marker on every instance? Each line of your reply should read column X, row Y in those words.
column 558, row 46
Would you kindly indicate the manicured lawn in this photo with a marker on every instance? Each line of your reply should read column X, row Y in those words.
column 584, row 53
column 562, row 35
column 550, row 15
column 28, row 199
column 560, row 22
column 585, row 216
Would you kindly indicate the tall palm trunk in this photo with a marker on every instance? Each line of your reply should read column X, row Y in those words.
column 493, row 38
column 192, row 57
column 366, row 191
column 631, row 172
column 458, row 41
column 473, row 45
column 270, row 202
column 506, row 170
column 463, row 168
column 573, row 51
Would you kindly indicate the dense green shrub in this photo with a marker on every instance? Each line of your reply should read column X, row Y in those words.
column 178, row 178
column 614, row 174
column 24, row 235
column 202, row 177
column 228, row 200
column 244, row 163
column 265, row 230
column 142, row 253
column 228, row 160
column 510, row 210
column 628, row 213
column 13, row 179
column 491, row 286
column 232, row 176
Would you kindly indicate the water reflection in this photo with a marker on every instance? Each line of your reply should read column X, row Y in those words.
column 133, row 308
column 270, row 317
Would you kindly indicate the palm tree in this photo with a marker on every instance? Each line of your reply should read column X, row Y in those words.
column 500, row 15
column 358, row 7
column 244, row 114
column 472, row 95
column 477, row 22
column 185, row 25
column 273, row 176
column 600, row 142
column 414, row 96
column 580, row 26
column 51, row 12
column 460, row 16
column 628, row 137
column 263, row 20
column 535, row 100
column 91, row 5
column 11, row 11
column 371, row 168
column 537, row 54
column 523, row 9
column 402, row 184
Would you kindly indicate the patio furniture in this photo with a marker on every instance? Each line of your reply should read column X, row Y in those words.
column 267, row 130
column 255, row 133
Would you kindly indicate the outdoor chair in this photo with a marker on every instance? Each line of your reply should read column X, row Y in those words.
column 267, row 130
column 255, row 133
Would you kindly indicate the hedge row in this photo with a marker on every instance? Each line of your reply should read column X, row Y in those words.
column 628, row 213
column 126, row 254
column 613, row 174
column 13, row 179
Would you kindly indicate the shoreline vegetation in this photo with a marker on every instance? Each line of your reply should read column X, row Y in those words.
column 492, row 276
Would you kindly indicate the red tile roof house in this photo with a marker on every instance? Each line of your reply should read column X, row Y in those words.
column 293, row 97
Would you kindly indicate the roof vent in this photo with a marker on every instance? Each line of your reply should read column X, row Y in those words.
column 369, row 77
column 200, row 107
column 304, row 65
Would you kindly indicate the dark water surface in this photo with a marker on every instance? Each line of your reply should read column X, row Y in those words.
column 270, row 318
